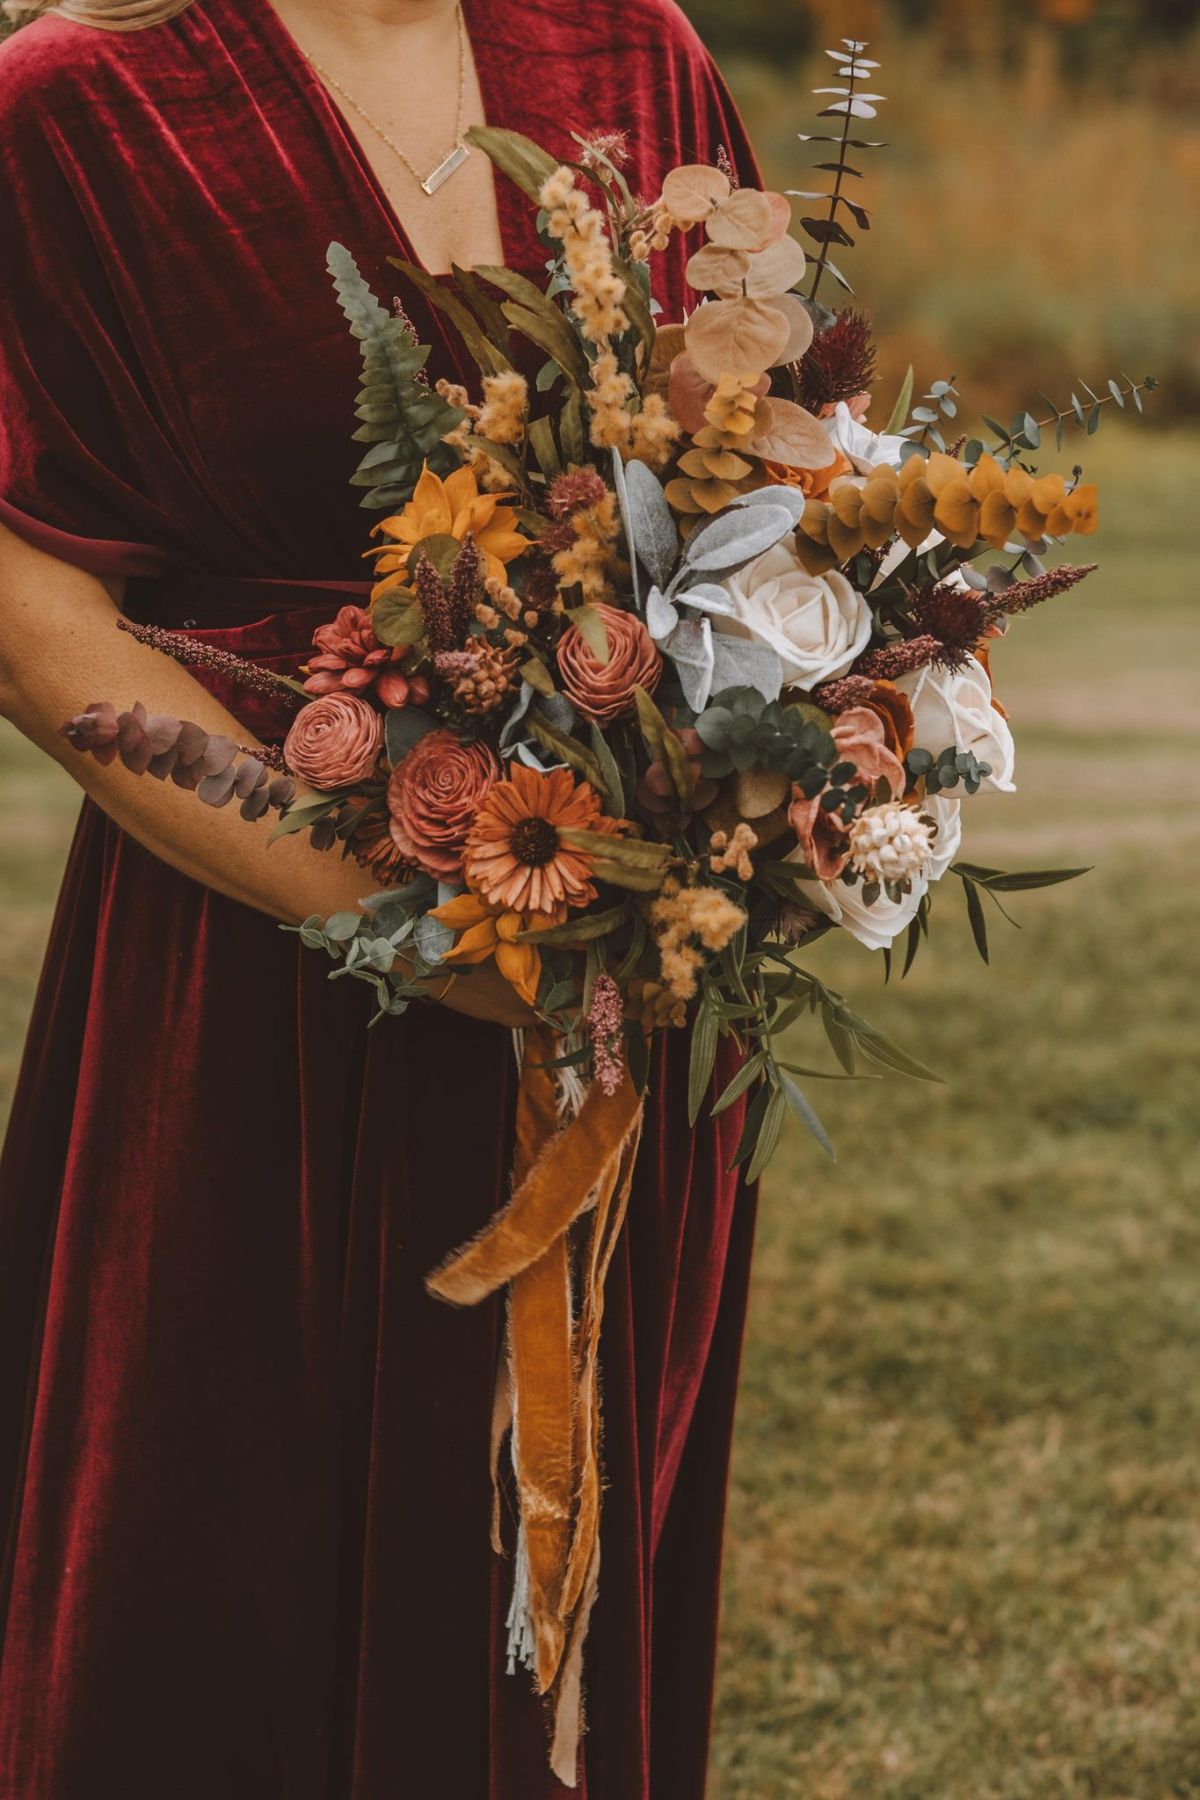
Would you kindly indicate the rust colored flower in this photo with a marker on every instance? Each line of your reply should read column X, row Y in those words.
column 335, row 741
column 353, row 660
column 813, row 482
column 515, row 858
column 373, row 847
column 823, row 842
column 450, row 508
column 434, row 795
column 605, row 691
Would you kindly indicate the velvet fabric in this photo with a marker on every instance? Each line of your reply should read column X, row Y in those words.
column 244, row 1483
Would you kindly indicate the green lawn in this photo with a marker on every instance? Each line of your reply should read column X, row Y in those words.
column 966, row 1510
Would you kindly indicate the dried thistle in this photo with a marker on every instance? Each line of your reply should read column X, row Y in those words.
column 956, row 616
column 839, row 364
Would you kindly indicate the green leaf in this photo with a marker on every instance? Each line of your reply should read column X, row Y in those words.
column 703, row 1057
column 975, row 915
column 403, row 727
column 841, row 1040
column 548, row 329
column 665, row 747
column 808, row 1117
column 899, row 412
column 299, row 818
column 570, row 428
column 396, row 617
column 772, row 1124
column 515, row 155
column 1032, row 878
column 540, row 433
column 589, row 623
column 880, row 1049
column 636, row 853
column 486, row 309
column 534, row 671
column 748, row 1073
column 562, row 744
column 581, row 930
column 613, row 789
column 490, row 358
column 755, row 1113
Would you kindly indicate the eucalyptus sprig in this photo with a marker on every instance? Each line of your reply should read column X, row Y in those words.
column 850, row 103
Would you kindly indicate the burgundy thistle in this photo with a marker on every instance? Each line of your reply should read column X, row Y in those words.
column 605, row 1019
column 154, row 744
column 839, row 364
column 957, row 617
column 572, row 492
column 353, row 660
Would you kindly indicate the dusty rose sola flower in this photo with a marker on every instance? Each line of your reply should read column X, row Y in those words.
column 352, row 659
column 433, row 796
column 515, row 857
column 335, row 741
column 604, row 691
column 604, row 1021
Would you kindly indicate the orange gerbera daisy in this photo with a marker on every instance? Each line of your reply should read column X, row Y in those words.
column 450, row 508
column 515, row 858
column 488, row 931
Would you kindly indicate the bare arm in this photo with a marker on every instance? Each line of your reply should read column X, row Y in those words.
column 60, row 650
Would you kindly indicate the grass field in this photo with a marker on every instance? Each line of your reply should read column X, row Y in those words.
column 966, row 1509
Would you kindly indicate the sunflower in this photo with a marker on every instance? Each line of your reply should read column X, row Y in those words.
column 450, row 508
column 490, row 931
column 515, row 858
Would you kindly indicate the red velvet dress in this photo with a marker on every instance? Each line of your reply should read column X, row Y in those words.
column 243, row 1457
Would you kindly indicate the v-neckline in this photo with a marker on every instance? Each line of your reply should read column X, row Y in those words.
column 516, row 238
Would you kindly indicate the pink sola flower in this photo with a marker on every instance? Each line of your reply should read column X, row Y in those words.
column 352, row 660
column 605, row 1018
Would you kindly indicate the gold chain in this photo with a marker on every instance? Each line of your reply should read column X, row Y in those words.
column 458, row 151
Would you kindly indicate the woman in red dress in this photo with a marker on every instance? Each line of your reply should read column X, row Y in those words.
column 243, row 1456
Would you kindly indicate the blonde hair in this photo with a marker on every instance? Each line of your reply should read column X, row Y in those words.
column 108, row 15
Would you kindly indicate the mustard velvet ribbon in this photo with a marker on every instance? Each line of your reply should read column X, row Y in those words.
column 548, row 1387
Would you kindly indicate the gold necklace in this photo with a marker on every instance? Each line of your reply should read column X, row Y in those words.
column 457, row 156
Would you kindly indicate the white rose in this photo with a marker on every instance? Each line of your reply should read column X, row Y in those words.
column 816, row 624
column 865, row 448
column 956, row 710
column 881, row 923
column 946, row 813
column 876, row 925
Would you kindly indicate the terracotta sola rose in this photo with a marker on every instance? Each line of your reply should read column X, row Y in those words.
column 335, row 741
column 433, row 797
column 604, row 691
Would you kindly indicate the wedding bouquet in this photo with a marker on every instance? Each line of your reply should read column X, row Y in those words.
column 672, row 664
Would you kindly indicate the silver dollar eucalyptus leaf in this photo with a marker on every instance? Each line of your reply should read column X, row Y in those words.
column 690, row 648
column 432, row 938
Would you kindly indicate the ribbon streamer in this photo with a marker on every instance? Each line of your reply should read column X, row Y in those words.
column 548, row 1388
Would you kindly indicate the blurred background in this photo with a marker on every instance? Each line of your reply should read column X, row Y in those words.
column 965, row 1517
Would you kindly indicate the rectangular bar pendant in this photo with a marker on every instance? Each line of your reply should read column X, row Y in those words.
column 445, row 170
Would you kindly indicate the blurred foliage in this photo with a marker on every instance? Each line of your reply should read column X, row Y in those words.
column 1087, row 32
column 1030, row 216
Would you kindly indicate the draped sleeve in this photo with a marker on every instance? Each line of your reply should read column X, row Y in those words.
column 76, row 426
